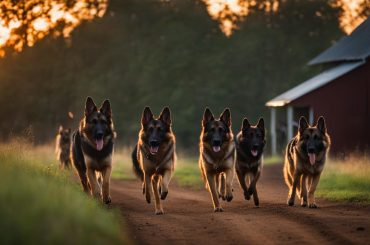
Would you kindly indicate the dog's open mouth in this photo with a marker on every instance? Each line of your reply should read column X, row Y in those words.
column 254, row 152
column 216, row 148
column 153, row 149
column 99, row 144
column 312, row 157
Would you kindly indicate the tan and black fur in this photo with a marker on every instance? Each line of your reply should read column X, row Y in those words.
column 250, row 143
column 62, row 147
column 305, row 158
column 92, row 149
column 217, row 156
column 154, row 155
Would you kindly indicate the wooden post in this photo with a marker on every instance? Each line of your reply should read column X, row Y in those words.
column 273, row 130
column 311, row 117
column 289, row 121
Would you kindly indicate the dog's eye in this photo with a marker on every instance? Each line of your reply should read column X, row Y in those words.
column 221, row 130
column 306, row 137
column 151, row 129
column 94, row 121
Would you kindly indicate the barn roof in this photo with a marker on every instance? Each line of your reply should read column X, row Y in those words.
column 354, row 47
column 313, row 83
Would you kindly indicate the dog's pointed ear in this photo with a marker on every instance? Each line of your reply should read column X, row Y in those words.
column 207, row 116
column 60, row 130
column 165, row 116
column 226, row 117
column 261, row 124
column 147, row 116
column 106, row 109
column 245, row 124
column 321, row 125
column 303, row 124
column 90, row 106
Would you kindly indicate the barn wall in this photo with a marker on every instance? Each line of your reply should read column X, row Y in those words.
column 345, row 104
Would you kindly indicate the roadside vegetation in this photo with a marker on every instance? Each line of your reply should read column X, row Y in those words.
column 347, row 179
column 43, row 205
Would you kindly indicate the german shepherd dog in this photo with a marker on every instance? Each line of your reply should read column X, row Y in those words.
column 154, row 155
column 92, row 149
column 62, row 147
column 305, row 158
column 250, row 143
column 217, row 156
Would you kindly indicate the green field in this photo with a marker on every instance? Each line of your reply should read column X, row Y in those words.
column 346, row 180
column 41, row 204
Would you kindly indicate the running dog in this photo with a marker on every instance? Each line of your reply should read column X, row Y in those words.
column 217, row 156
column 62, row 147
column 250, row 143
column 305, row 158
column 154, row 155
column 92, row 149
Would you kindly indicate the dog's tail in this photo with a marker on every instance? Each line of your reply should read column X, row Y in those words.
column 286, row 169
column 136, row 165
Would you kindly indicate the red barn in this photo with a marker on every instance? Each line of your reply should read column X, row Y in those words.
column 341, row 94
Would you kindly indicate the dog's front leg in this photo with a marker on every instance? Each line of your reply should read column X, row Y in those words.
column 303, row 193
column 158, row 205
column 311, row 192
column 106, row 182
column 95, row 189
column 229, row 184
column 213, row 191
column 166, row 178
column 243, row 184
column 148, row 186
column 296, row 179
column 253, row 189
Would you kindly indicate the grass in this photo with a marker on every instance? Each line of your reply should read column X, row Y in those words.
column 346, row 180
column 41, row 204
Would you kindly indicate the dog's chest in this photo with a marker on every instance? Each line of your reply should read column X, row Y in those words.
column 98, row 164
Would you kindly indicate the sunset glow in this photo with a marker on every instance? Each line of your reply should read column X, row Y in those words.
column 353, row 13
column 229, row 12
column 25, row 22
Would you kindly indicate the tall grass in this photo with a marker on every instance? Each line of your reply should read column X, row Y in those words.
column 347, row 179
column 41, row 204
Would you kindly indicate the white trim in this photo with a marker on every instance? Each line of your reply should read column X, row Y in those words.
column 273, row 130
column 289, row 119
column 311, row 116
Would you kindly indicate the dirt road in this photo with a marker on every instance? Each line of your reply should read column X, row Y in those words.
column 189, row 217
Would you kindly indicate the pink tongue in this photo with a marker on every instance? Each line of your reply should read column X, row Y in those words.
column 312, row 157
column 216, row 148
column 154, row 149
column 99, row 144
column 254, row 153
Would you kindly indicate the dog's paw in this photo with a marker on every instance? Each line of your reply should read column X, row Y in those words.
column 229, row 197
column 147, row 198
column 218, row 209
column 164, row 195
column 312, row 205
column 290, row 202
column 256, row 203
column 303, row 203
column 159, row 212
column 250, row 190
column 107, row 200
column 246, row 195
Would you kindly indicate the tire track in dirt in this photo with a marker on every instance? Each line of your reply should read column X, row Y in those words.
column 189, row 217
